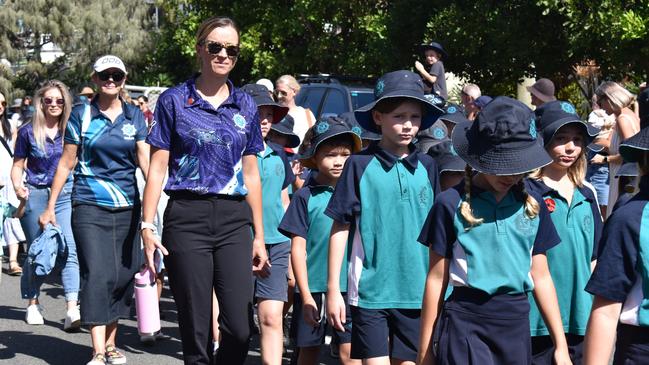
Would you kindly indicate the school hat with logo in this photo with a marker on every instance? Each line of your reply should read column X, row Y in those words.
column 398, row 84
column 446, row 158
column 634, row 148
column 435, row 47
column 350, row 119
column 543, row 89
column 261, row 96
column 109, row 61
column 482, row 101
column 502, row 140
column 326, row 129
column 454, row 114
column 432, row 136
column 555, row 114
column 285, row 127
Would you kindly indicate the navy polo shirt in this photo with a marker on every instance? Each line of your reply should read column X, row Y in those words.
column 41, row 163
column 276, row 175
column 107, row 155
column 206, row 144
column 385, row 199
column 579, row 225
column 495, row 256
column 622, row 271
column 306, row 218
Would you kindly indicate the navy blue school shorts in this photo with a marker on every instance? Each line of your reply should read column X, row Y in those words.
column 275, row 285
column 477, row 328
column 385, row 332
column 543, row 349
column 304, row 335
column 632, row 345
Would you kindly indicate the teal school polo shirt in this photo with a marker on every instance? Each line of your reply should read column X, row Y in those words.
column 385, row 199
column 495, row 256
column 276, row 175
column 305, row 217
column 580, row 227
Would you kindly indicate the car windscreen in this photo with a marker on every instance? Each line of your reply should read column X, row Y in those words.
column 361, row 98
column 310, row 98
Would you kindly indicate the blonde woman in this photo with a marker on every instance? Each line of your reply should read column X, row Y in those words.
column 286, row 89
column 616, row 100
column 39, row 146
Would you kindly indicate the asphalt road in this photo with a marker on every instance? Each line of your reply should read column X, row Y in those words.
column 22, row 344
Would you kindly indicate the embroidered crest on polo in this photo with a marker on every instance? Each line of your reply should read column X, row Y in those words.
column 378, row 90
column 533, row 128
column 357, row 130
column 129, row 131
column 438, row 133
column 568, row 108
column 239, row 121
column 322, row 127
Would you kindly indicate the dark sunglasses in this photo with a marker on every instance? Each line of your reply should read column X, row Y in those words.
column 105, row 75
column 214, row 48
column 52, row 101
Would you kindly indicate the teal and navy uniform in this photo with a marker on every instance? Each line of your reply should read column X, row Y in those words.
column 105, row 173
column 579, row 225
column 486, row 318
column 276, row 175
column 385, row 199
column 305, row 217
column 622, row 275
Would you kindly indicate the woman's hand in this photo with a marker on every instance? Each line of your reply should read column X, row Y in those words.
column 151, row 243
column 48, row 216
column 336, row 310
column 311, row 312
column 260, row 263
column 597, row 159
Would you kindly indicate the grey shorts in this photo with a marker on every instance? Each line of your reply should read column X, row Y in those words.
column 275, row 286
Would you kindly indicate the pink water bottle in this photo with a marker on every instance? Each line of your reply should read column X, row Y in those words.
column 146, row 303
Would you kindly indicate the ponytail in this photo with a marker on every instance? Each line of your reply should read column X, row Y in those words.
column 465, row 207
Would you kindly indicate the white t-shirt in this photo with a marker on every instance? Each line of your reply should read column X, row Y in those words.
column 301, row 123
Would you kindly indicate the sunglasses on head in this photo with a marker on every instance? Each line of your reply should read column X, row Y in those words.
column 52, row 101
column 214, row 48
column 117, row 76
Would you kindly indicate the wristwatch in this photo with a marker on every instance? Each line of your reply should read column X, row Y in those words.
column 151, row 226
column 605, row 159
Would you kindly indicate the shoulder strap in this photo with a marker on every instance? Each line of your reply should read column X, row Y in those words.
column 309, row 120
column 6, row 146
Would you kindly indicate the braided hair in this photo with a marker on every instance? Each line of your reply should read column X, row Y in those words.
column 465, row 207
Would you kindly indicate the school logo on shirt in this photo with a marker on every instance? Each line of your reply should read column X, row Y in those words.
column 279, row 170
column 588, row 223
column 129, row 132
column 423, row 197
column 524, row 224
column 239, row 121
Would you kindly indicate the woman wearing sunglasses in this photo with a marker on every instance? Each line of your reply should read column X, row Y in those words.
column 207, row 132
column 38, row 149
column 107, row 139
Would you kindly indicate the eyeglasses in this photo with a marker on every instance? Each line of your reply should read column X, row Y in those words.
column 52, row 101
column 116, row 75
column 280, row 92
column 214, row 48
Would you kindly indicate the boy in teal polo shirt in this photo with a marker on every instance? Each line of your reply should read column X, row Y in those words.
column 327, row 146
column 381, row 202
column 276, row 175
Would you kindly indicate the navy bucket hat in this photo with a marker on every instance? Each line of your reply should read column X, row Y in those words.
column 553, row 115
column 398, row 84
column 446, row 158
column 502, row 140
column 432, row 136
column 350, row 119
column 285, row 127
column 454, row 114
column 633, row 148
column 435, row 47
column 261, row 96
column 324, row 130
column 629, row 169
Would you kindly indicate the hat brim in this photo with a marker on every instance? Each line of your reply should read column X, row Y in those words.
column 454, row 118
column 500, row 162
column 450, row 164
column 628, row 169
column 634, row 148
column 543, row 97
column 552, row 129
column 364, row 114
column 307, row 157
column 293, row 139
column 279, row 112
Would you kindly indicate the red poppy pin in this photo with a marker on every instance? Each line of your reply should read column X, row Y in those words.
column 551, row 204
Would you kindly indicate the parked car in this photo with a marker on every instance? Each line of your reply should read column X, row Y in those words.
column 326, row 95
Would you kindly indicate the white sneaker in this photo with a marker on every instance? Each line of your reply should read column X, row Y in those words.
column 34, row 315
column 98, row 359
column 72, row 319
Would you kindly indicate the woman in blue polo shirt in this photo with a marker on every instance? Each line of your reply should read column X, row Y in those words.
column 207, row 133
column 107, row 139
column 38, row 149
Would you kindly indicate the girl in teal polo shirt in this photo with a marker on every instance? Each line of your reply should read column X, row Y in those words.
column 575, row 214
column 488, row 238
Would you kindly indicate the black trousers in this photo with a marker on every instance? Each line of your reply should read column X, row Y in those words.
column 209, row 240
